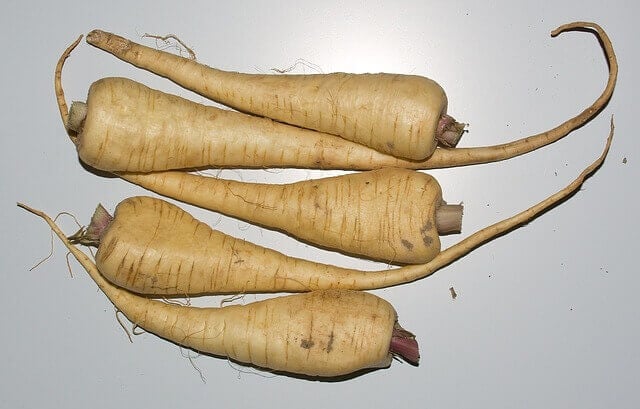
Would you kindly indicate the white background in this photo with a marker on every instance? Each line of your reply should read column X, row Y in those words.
column 546, row 316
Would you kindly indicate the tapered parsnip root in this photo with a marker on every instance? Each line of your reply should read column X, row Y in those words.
column 116, row 130
column 279, row 93
column 62, row 103
column 401, row 115
column 305, row 276
column 389, row 214
column 321, row 333
column 155, row 248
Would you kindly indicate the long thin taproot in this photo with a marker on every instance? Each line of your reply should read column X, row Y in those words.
column 202, row 79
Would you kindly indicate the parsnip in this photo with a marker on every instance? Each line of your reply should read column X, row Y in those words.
column 393, row 215
column 352, row 106
column 321, row 334
column 127, row 126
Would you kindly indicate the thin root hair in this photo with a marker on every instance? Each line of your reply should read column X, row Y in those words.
column 231, row 299
column 175, row 301
column 218, row 172
column 68, row 263
column 192, row 359
column 241, row 369
column 180, row 46
column 124, row 328
column 300, row 62
column 48, row 256
column 75, row 219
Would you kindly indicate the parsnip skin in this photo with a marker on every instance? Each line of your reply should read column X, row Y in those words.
column 391, row 113
column 128, row 127
column 321, row 333
column 395, row 114
column 153, row 247
column 326, row 151
column 387, row 214
column 208, row 82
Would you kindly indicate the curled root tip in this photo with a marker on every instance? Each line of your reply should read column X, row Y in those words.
column 62, row 104
column 576, row 25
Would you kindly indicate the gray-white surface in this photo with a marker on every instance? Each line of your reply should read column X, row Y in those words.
column 546, row 316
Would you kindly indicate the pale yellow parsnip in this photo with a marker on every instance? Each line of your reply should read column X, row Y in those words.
column 321, row 333
column 127, row 126
column 245, row 141
column 362, row 107
column 387, row 214
column 130, row 127
column 154, row 247
column 395, row 114
column 391, row 113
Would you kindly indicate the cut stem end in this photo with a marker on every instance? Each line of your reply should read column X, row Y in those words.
column 449, row 218
column 404, row 345
column 449, row 131
column 92, row 234
column 77, row 115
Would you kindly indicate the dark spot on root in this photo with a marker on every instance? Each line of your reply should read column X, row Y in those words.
column 427, row 226
column 307, row 343
column 407, row 244
column 390, row 145
column 426, row 238
column 330, row 343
